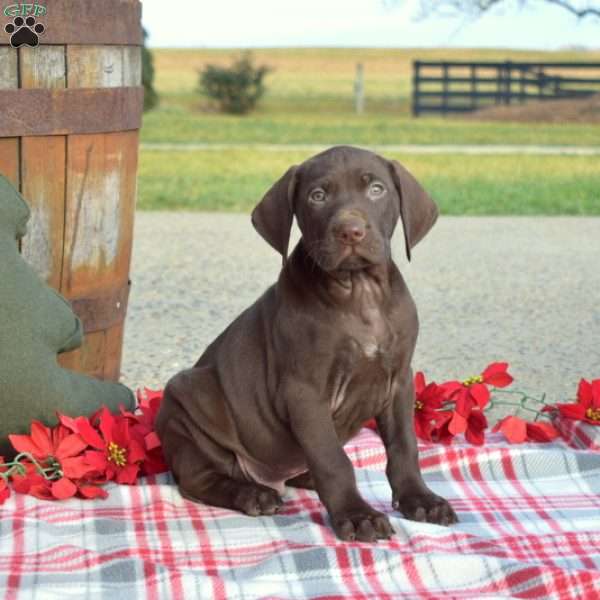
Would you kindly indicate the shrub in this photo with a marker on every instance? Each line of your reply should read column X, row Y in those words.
column 150, row 95
column 235, row 89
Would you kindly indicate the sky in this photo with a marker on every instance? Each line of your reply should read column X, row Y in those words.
column 274, row 23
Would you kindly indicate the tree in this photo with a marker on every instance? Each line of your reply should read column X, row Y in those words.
column 475, row 8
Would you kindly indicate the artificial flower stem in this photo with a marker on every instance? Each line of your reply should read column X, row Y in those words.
column 16, row 465
column 524, row 395
column 497, row 403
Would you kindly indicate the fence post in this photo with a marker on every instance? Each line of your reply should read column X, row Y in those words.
column 473, row 87
column 522, row 87
column 359, row 89
column 498, row 84
column 445, row 88
column 416, row 82
column 507, row 82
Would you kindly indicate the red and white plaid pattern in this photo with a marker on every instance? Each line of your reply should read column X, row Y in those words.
column 578, row 434
column 529, row 528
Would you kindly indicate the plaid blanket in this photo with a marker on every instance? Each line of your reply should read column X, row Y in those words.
column 529, row 528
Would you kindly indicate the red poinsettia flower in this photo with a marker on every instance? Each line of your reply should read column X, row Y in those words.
column 142, row 428
column 587, row 407
column 29, row 481
column 452, row 423
column 116, row 454
column 517, row 430
column 474, row 391
column 429, row 398
column 58, row 449
column 371, row 424
column 476, row 425
column 4, row 489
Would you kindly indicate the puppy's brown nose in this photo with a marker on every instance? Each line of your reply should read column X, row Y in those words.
column 350, row 232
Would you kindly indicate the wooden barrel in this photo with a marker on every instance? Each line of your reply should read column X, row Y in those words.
column 70, row 113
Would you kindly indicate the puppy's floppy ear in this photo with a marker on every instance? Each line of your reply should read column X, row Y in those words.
column 272, row 216
column 417, row 210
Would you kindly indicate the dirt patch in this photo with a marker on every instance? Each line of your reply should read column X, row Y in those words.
column 586, row 110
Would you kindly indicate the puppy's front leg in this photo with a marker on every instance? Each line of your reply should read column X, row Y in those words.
column 410, row 495
column 310, row 419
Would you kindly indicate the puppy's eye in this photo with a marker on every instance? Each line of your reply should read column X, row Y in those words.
column 317, row 195
column 376, row 189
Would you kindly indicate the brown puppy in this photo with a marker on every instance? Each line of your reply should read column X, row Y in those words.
column 277, row 394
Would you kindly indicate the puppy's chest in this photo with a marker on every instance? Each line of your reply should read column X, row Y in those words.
column 368, row 335
column 367, row 326
column 365, row 355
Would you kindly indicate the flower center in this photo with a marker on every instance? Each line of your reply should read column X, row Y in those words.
column 593, row 414
column 418, row 405
column 471, row 380
column 117, row 454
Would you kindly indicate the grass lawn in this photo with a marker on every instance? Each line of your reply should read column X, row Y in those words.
column 310, row 101
column 181, row 126
column 235, row 180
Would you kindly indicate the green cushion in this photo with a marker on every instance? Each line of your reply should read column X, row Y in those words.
column 36, row 324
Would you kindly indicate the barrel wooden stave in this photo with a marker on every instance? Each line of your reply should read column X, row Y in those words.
column 81, row 186
column 43, row 171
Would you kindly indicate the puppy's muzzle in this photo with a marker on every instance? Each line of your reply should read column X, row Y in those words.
column 350, row 231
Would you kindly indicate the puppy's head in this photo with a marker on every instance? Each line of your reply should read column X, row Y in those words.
column 347, row 202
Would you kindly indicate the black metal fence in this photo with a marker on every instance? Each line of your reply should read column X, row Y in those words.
column 461, row 86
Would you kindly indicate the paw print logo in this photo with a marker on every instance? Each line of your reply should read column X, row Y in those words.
column 24, row 32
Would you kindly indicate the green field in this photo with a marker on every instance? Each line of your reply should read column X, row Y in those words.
column 235, row 180
column 309, row 101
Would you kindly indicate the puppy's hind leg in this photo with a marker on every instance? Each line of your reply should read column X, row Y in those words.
column 203, row 469
column 199, row 480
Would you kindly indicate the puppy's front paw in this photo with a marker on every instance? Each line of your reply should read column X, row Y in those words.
column 425, row 507
column 365, row 525
column 255, row 499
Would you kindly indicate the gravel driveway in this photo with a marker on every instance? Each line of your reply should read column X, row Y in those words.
column 525, row 290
